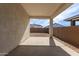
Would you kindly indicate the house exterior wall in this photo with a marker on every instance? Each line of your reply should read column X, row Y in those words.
column 13, row 23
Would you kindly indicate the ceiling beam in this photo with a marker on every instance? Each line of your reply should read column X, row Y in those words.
column 40, row 17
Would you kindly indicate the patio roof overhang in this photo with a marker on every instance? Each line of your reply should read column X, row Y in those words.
column 44, row 10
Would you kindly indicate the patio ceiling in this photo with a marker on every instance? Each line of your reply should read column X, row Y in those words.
column 44, row 10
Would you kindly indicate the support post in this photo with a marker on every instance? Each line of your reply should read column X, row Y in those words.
column 51, row 28
column 51, row 41
column 73, row 23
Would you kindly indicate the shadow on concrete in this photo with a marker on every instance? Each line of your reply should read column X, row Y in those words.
column 51, row 41
column 24, row 50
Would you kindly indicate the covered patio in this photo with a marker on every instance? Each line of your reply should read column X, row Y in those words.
column 15, row 36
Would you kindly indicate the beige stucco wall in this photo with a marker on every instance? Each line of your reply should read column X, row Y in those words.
column 13, row 23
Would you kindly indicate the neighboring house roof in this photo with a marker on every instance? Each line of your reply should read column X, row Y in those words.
column 55, row 25
column 35, row 26
column 75, row 18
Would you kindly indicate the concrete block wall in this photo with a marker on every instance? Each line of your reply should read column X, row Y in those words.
column 13, row 23
column 68, row 34
column 39, row 30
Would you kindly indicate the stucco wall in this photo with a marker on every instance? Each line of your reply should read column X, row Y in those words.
column 68, row 34
column 13, row 23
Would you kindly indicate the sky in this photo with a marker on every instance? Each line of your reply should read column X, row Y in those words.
column 69, row 12
column 43, row 22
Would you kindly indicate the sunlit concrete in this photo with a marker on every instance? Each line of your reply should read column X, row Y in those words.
column 35, row 39
column 44, row 41
column 67, row 47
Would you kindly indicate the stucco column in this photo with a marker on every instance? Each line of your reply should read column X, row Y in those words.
column 51, row 41
column 51, row 28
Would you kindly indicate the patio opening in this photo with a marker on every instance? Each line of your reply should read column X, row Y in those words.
column 39, row 32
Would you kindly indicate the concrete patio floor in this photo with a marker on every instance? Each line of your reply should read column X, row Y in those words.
column 40, row 46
